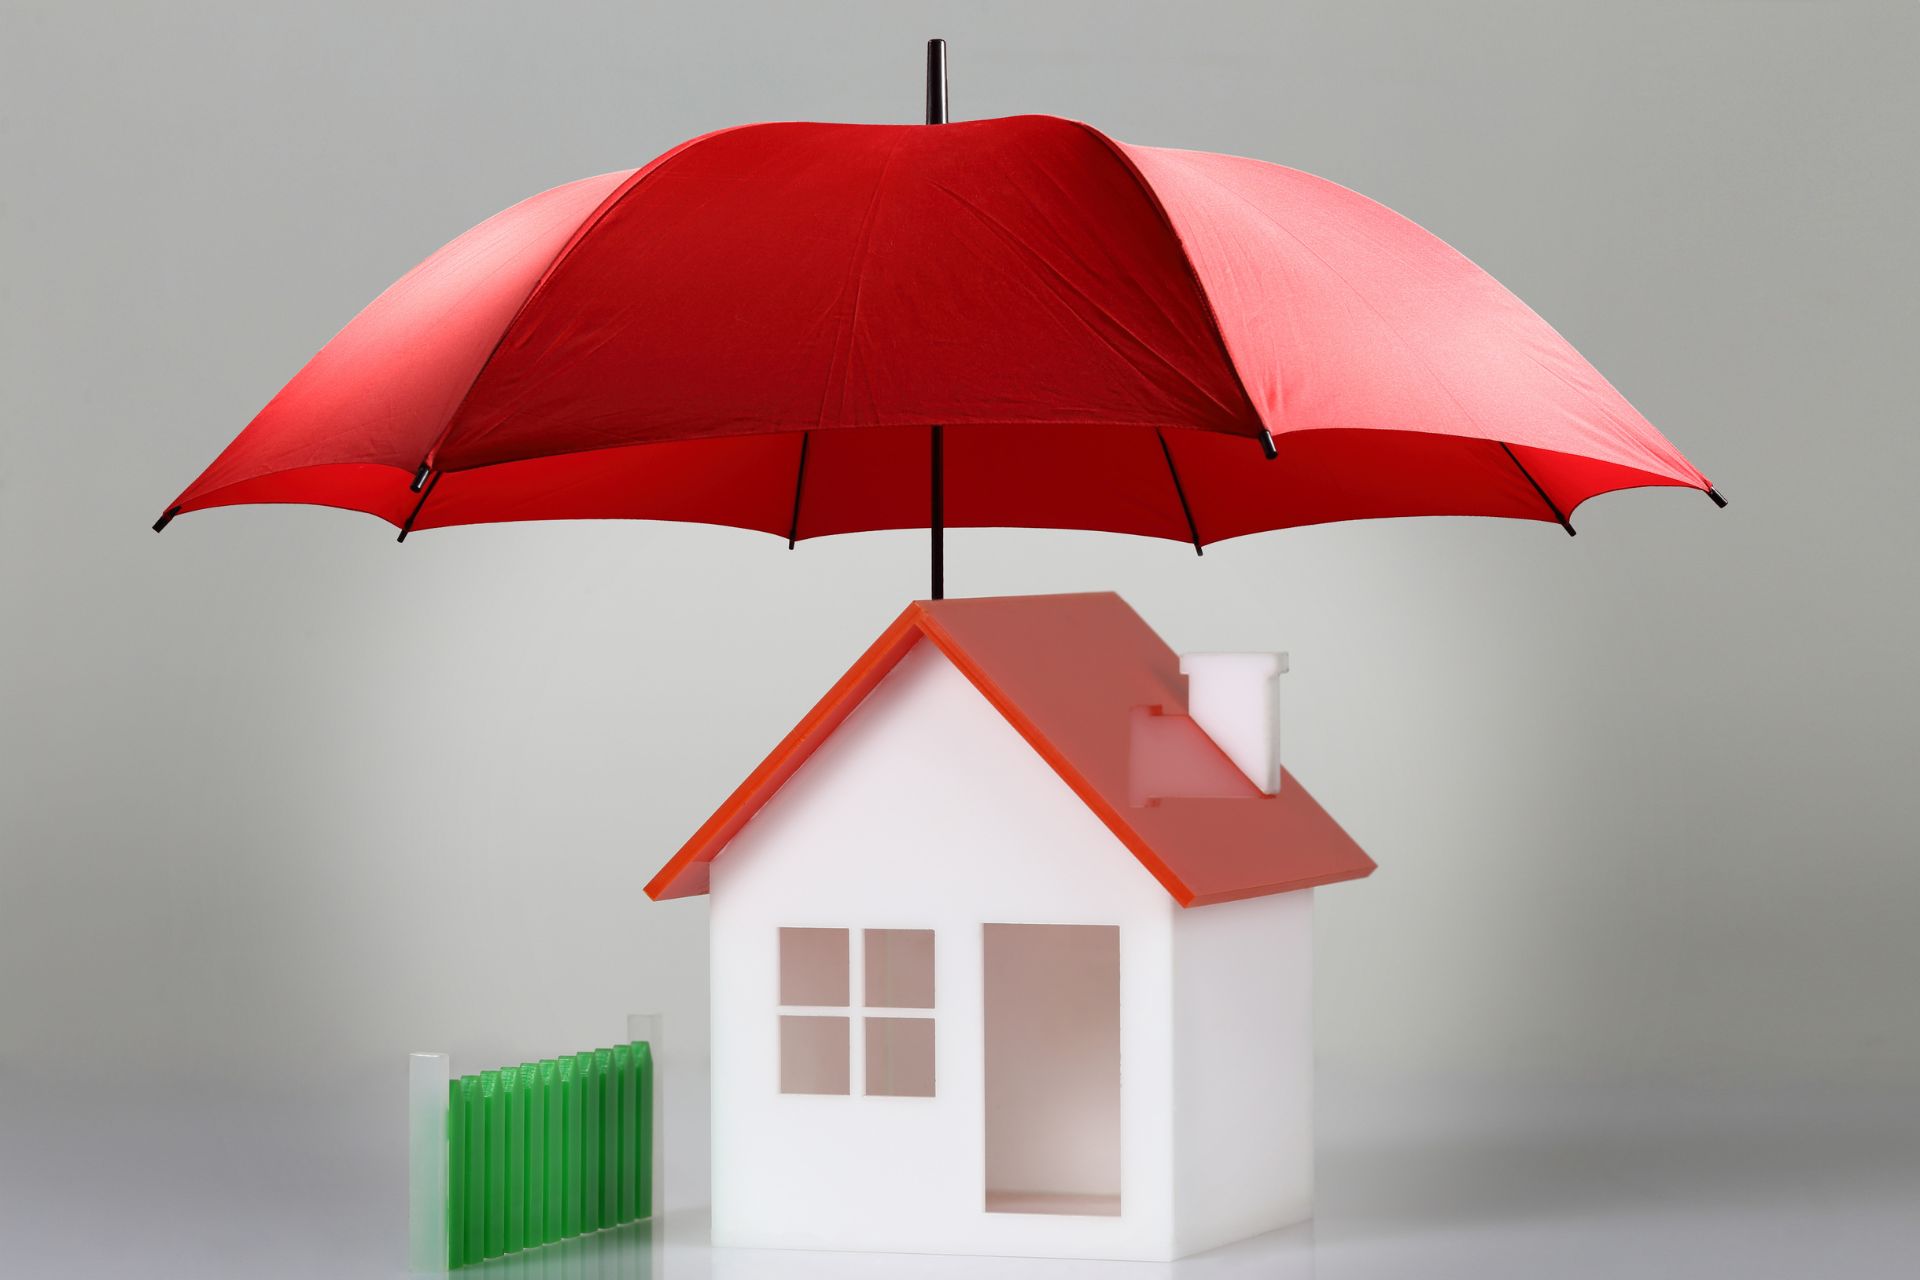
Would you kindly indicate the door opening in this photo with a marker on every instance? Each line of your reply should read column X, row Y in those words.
column 1052, row 997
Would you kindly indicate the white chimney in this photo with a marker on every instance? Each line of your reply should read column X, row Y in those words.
column 1235, row 698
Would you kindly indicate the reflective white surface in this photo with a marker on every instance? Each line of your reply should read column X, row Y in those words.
column 428, row 1164
column 1427, row 1178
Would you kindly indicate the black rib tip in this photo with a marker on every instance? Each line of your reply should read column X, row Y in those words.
column 1197, row 550
column 1267, row 446
column 165, row 519
column 420, row 477
column 403, row 535
column 1571, row 531
column 1718, row 501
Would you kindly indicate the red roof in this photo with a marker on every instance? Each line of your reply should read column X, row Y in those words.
column 1074, row 675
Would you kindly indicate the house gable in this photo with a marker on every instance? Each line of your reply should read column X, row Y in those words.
column 925, row 811
column 924, row 799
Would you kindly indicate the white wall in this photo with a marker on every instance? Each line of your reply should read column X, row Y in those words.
column 1243, row 1068
column 925, row 810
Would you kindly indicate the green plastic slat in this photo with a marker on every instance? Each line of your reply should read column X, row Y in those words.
column 496, row 1104
column 623, row 1085
column 515, row 1094
column 534, row 1205
column 643, row 1090
column 609, row 1137
column 456, row 1175
column 556, row 1194
column 475, row 1247
column 570, row 1149
column 588, row 1075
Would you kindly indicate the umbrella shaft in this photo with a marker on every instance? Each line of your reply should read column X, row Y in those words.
column 937, row 522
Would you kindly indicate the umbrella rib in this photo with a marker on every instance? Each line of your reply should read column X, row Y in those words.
column 1557, row 515
column 799, row 479
column 1193, row 530
column 426, row 491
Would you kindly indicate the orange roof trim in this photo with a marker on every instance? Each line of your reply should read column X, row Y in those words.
column 1068, row 672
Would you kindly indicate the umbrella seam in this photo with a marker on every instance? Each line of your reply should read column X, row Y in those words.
column 1064, row 290
column 1625, row 439
column 1392, row 329
column 585, row 229
column 1427, row 365
column 862, row 259
column 1186, row 259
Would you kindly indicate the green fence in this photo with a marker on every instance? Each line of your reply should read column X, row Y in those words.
column 547, row 1150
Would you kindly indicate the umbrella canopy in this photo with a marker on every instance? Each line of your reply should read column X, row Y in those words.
column 783, row 327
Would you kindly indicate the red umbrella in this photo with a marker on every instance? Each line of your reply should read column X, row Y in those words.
column 810, row 329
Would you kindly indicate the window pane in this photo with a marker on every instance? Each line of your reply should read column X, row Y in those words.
column 900, row 1057
column 900, row 968
column 813, row 966
column 813, row 1054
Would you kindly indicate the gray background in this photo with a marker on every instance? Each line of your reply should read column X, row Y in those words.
column 281, row 801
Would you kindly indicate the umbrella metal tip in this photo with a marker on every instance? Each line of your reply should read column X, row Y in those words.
column 166, row 518
column 1267, row 446
column 936, row 81
column 1714, row 493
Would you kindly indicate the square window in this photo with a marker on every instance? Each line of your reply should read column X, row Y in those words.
column 900, row 1057
column 899, row 968
column 813, row 967
column 813, row 1054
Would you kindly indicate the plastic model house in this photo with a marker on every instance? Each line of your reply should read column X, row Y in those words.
column 1012, row 948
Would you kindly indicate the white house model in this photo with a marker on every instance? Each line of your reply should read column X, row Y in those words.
column 1012, row 948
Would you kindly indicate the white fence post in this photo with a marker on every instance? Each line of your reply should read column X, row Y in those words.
column 428, row 1076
